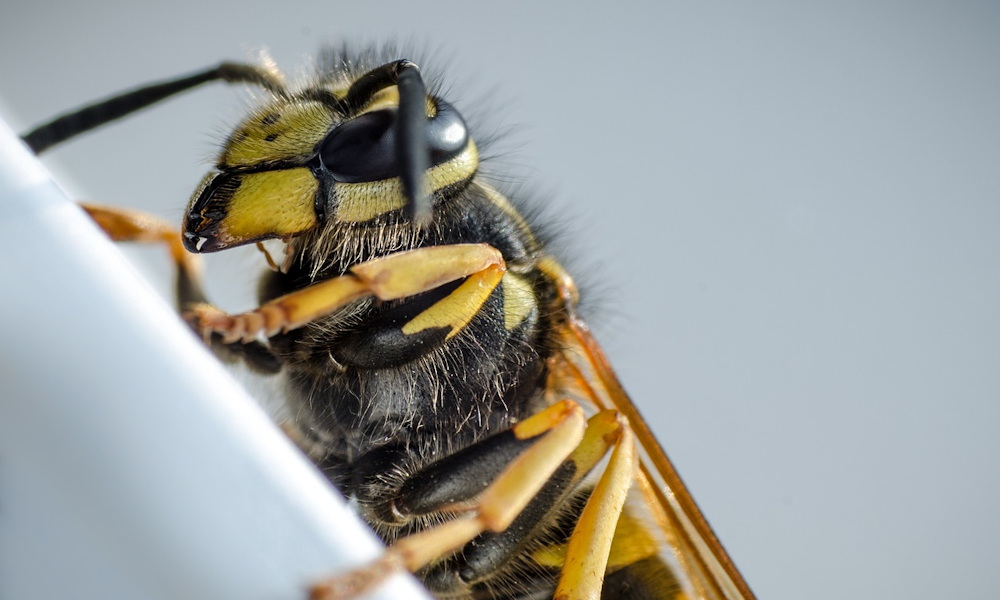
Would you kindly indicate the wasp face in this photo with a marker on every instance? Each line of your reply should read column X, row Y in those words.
column 327, row 156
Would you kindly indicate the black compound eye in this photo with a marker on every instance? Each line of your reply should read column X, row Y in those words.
column 447, row 135
column 362, row 149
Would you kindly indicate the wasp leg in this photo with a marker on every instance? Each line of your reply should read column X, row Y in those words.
column 563, row 426
column 390, row 277
column 104, row 111
column 587, row 556
column 450, row 484
column 491, row 551
column 125, row 225
column 590, row 545
column 581, row 370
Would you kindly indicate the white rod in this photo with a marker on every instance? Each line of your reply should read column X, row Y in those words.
column 131, row 464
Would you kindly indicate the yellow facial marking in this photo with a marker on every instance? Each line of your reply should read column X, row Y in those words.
column 455, row 170
column 360, row 202
column 389, row 98
column 271, row 204
column 285, row 131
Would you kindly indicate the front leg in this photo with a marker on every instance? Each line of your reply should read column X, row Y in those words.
column 128, row 225
column 390, row 277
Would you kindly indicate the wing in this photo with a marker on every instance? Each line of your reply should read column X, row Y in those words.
column 706, row 571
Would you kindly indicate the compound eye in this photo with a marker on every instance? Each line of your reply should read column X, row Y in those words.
column 362, row 149
column 447, row 135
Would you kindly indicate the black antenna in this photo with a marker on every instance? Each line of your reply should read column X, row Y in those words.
column 412, row 154
column 73, row 124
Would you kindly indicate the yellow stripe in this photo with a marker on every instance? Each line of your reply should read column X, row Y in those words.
column 633, row 542
column 589, row 549
column 457, row 308
column 389, row 98
column 272, row 204
column 518, row 300
column 501, row 202
column 360, row 202
column 282, row 131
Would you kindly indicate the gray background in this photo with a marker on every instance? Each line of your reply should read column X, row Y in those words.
column 785, row 214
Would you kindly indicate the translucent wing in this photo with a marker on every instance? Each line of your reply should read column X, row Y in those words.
column 707, row 573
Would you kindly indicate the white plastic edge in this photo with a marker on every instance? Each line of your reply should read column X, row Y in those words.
column 131, row 464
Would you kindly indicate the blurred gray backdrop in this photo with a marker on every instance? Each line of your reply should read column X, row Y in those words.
column 784, row 215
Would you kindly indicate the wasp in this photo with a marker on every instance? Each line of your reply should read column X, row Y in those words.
column 433, row 359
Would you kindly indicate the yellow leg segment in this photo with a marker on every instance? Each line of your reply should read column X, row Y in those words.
column 125, row 225
column 563, row 426
column 387, row 278
column 457, row 309
column 590, row 550
column 590, row 545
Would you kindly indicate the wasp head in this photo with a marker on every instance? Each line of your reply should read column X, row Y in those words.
column 344, row 156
